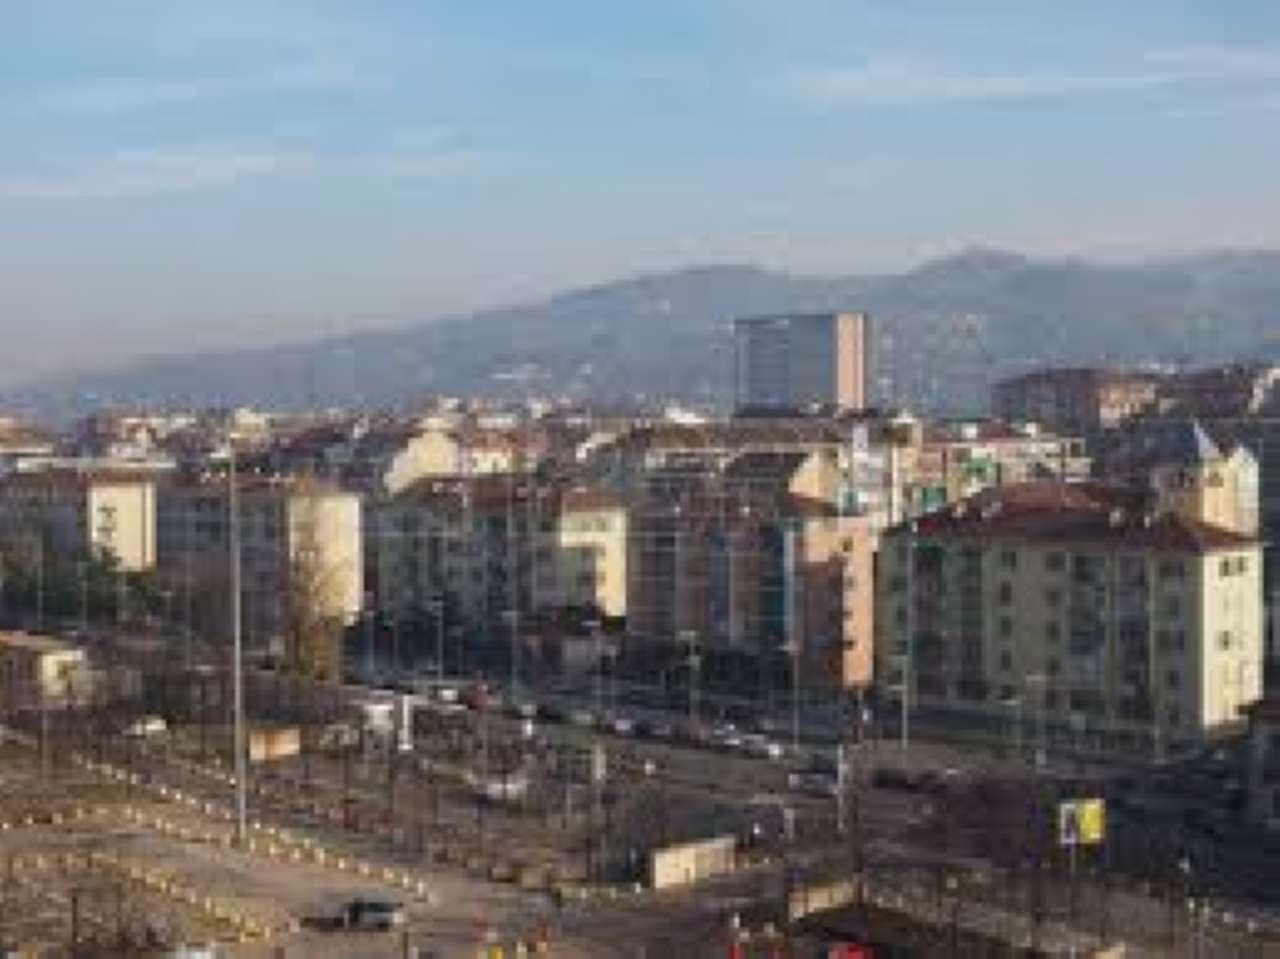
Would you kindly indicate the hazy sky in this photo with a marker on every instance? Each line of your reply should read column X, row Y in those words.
column 185, row 173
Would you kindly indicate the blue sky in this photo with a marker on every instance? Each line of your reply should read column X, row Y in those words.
column 182, row 174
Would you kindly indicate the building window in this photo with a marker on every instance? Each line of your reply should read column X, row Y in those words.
column 1051, row 632
column 1006, row 661
column 1055, row 562
column 1006, row 626
column 1175, row 716
column 1173, row 679
column 1008, row 559
column 1053, row 597
column 1006, row 594
column 1242, row 564
column 1172, row 569
column 1224, row 640
column 1226, row 567
column 1172, row 607
column 1053, row 667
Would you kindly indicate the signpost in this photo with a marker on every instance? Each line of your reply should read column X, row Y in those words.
column 1081, row 822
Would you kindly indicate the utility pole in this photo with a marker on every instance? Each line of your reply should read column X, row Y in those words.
column 40, row 583
column 237, row 659
column 513, row 572
column 84, row 598
column 437, row 607
column 794, row 649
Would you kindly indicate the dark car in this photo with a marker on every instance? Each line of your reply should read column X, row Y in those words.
column 373, row 915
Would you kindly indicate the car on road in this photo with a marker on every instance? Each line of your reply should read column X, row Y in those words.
column 622, row 726
column 757, row 744
column 372, row 914
column 146, row 727
column 813, row 783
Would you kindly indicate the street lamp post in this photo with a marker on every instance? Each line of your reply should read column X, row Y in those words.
column 695, row 675
column 237, row 661
column 793, row 649
column 437, row 610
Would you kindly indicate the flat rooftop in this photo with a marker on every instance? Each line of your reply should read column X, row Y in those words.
column 36, row 643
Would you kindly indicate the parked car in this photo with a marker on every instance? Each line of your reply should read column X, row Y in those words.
column 813, row 783
column 756, row 744
column 146, row 727
column 374, row 915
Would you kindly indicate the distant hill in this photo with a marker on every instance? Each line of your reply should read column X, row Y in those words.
column 944, row 331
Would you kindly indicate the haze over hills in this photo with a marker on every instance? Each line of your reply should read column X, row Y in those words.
column 943, row 332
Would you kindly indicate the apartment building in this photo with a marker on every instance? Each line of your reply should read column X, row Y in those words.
column 1224, row 472
column 1222, row 392
column 1112, row 618
column 1075, row 400
column 286, row 526
column 754, row 555
column 797, row 361
column 82, row 512
column 20, row 441
column 947, row 461
column 492, row 544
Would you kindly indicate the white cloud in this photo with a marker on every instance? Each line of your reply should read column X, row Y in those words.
column 900, row 80
column 142, row 173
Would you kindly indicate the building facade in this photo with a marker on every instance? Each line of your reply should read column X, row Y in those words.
column 754, row 556
column 81, row 513
column 793, row 362
column 288, row 528
column 1075, row 400
column 38, row 669
column 1108, row 620
column 489, row 545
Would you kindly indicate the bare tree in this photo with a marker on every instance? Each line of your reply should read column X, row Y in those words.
column 313, row 619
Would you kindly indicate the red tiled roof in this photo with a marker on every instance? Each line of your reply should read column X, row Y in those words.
column 1075, row 513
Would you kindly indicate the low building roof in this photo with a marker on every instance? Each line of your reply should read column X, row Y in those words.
column 37, row 643
column 1083, row 513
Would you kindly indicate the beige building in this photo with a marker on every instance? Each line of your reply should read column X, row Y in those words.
column 797, row 361
column 1117, row 622
column 38, row 668
column 754, row 555
column 286, row 526
column 82, row 513
column 491, row 544
column 590, row 551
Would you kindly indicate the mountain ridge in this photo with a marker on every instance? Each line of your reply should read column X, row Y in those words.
column 944, row 330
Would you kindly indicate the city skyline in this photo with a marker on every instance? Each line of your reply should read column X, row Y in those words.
column 190, row 180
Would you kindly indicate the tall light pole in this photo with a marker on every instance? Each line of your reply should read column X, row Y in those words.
column 513, row 573
column 690, row 636
column 911, row 634
column 84, row 597
column 437, row 607
column 793, row 648
column 237, row 639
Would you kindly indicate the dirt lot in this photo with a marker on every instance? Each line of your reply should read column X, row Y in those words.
column 113, row 865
